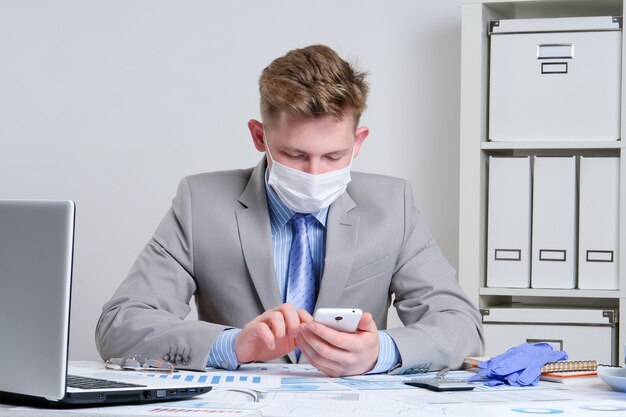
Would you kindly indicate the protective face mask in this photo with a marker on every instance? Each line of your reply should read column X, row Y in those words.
column 307, row 193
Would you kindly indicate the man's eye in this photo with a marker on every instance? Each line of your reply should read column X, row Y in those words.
column 333, row 157
column 295, row 156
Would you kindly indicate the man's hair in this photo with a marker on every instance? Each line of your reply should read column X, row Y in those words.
column 312, row 82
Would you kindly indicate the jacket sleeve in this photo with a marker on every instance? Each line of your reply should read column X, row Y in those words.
column 146, row 314
column 442, row 326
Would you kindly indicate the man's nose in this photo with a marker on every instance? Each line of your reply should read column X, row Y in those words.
column 313, row 166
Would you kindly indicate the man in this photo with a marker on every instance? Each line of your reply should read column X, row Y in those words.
column 260, row 248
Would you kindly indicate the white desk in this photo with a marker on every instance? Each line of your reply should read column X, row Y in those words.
column 292, row 390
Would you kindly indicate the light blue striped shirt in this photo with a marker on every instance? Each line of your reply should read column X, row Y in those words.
column 222, row 354
column 282, row 236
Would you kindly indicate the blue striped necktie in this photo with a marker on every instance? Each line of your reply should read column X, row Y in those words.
column 301, row 282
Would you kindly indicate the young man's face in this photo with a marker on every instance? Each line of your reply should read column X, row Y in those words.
column 311, row 145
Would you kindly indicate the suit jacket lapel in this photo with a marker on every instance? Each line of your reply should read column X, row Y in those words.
column 256, row 238
column 341, row 233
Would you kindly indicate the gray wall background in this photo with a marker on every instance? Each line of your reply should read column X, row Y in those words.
column 110, row 103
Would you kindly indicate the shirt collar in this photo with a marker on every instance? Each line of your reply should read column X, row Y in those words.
column 280, row 214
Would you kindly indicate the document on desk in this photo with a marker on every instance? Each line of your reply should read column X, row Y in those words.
column 353, row 396
column 374, row 409
column 574, row 408
column 301, row 390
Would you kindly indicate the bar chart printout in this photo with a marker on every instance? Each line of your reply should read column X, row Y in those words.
column 221, row 379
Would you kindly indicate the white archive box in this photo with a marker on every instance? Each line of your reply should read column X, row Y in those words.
column 508, row 222
column 553, row 259
column 585, row 334
column 598, row 223
column 555, row 79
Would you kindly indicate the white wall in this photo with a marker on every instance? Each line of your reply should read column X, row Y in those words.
column 111, row 102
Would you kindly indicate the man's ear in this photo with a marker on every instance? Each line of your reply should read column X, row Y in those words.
column 359, row 138
column 258, row 134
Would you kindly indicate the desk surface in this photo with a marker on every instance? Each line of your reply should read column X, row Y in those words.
column 273, row 390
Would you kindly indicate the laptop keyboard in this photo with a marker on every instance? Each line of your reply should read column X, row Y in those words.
column 83, row 382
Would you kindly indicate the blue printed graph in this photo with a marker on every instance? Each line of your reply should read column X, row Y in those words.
column 537, row 410
column 214, row 379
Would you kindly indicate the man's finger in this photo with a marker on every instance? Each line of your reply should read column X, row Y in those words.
column 275, row 321
column 290, row 316
column 266, row 335
column 341, row 340
column 329, row 367
column 367, row 323
column 305, row 316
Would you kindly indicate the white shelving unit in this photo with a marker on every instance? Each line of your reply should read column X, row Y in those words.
column 475, row 150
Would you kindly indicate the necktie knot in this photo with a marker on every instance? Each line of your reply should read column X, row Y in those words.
column 300, row 222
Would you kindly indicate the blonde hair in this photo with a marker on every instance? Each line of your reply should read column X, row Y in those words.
column 312, row 82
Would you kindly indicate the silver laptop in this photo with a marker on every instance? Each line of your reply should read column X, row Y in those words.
column 36, row 250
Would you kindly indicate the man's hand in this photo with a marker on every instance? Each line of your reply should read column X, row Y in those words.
column 270, row 335
column 338, row 353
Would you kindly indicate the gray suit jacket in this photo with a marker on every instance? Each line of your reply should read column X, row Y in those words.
column 215, row 244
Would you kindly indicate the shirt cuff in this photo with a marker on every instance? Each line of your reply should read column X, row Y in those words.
column 388, row 354
column 222, row 353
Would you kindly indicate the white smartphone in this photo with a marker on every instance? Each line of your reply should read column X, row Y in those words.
column 341, row 319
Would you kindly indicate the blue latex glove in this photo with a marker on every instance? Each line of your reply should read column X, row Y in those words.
column 518, row 366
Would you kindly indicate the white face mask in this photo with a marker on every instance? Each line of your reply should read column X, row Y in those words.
column 307, row 193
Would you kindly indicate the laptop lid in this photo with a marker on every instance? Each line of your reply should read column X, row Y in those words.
column 36, row 242
column 36, row 251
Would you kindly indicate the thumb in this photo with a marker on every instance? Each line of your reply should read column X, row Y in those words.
column 367, row 323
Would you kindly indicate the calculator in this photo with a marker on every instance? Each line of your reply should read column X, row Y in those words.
column 441, row 384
